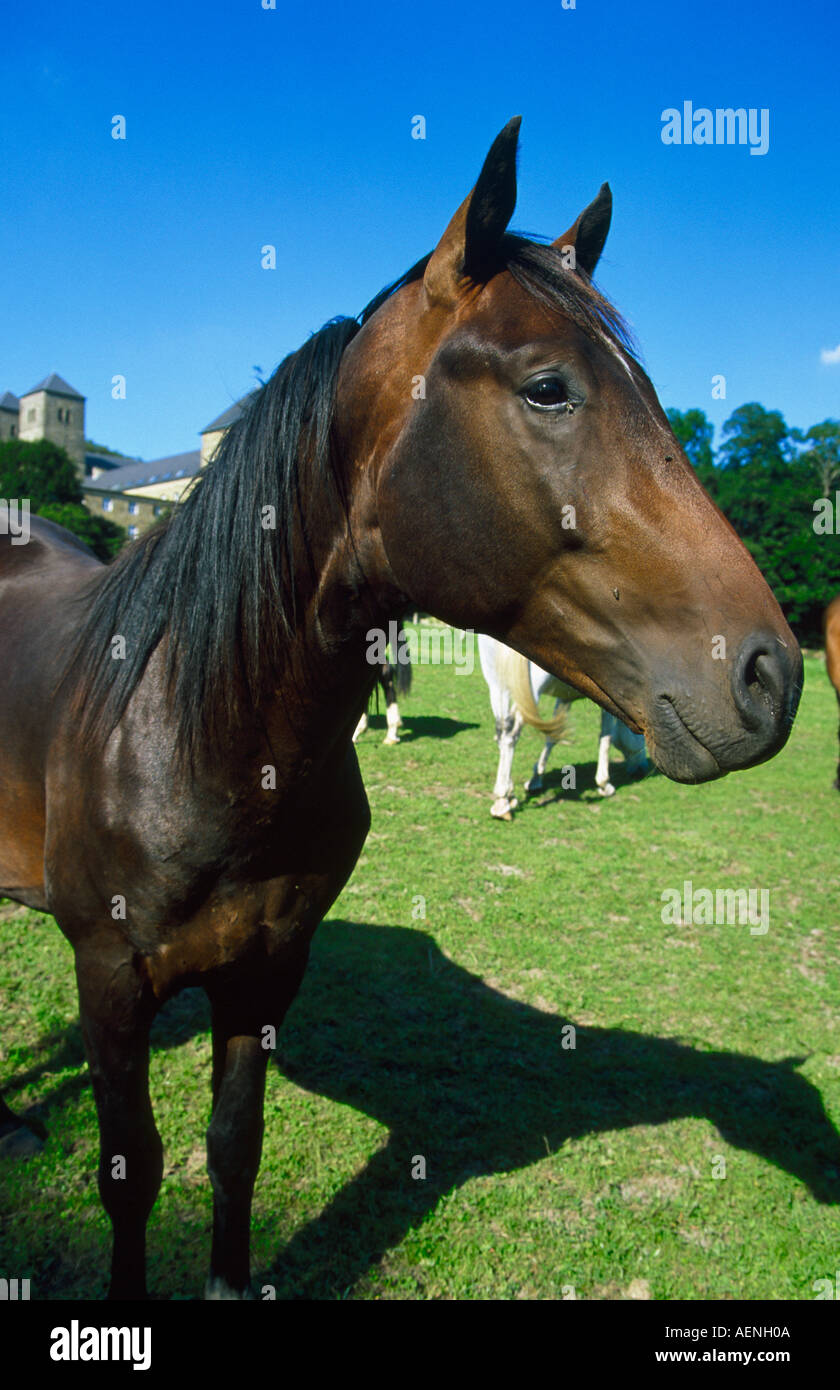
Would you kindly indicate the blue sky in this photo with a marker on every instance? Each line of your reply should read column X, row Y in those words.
column 292, row 127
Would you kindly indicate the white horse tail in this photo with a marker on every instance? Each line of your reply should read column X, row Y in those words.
column 515, row 672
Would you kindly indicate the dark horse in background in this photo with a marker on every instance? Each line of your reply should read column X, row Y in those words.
column 393, row 679
column 167, row 790
column 831, row 626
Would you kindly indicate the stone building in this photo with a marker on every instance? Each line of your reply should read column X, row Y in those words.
column 132, row 492
column 53, row 410
column 9, row 416
column 213, row 433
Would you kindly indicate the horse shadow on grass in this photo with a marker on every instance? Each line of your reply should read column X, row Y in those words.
column 416, row 726
column 585, row 788
column 477, row 1083
column 62, row 1050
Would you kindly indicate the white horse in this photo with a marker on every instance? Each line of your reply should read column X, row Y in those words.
column 515, row 688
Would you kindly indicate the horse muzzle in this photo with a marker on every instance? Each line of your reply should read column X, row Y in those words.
column 699, row 731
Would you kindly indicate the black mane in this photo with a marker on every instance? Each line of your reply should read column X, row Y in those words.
column 211, row 578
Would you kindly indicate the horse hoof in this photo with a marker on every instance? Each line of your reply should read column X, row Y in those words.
column 534, row 785
column 502, row 809
column 218, row 1290
column 391, row 739
column 608, row 790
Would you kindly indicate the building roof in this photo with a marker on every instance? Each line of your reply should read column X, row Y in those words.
column 136, row 473
column 232, row 413
column 56, row 385
column 106, row 462
column 9, row 402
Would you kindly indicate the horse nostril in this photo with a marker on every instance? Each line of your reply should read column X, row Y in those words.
column 760, row 682
column 752, row 677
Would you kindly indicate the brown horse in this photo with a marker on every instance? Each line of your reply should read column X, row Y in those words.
column 167, row 790
column 831, row 626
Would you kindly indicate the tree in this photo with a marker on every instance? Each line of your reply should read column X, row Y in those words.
column 91, row 447
column 104, row 537
column 45, row 474
column 824, row 455
column 757, row 438
column 766, row 481
column 41, row 471
column 695, row 433
column 767, row 490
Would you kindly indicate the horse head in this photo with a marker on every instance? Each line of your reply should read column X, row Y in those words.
column 521, row 478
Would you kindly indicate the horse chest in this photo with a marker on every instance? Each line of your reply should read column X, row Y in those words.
column 206, row 883
column 273, row 900
column 253, row 927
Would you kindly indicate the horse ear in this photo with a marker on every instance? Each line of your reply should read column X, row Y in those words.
column 470, row 244
column 589, row 233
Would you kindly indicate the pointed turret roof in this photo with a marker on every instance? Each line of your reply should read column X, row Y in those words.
column 57, row 386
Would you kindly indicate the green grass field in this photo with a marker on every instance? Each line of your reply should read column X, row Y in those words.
column 699, row 1050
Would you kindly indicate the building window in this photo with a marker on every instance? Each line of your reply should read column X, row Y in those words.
column 133, row 508
column 14, row 431
column 133, row 532
column 60, row 414
column 67, row 415
column 107, row 504
column 158, row 510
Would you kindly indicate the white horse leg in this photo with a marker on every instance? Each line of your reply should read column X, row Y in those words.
column 360, row 727
column 392, row 719
column 602, row 776
column 508, row 729
column 535, row 781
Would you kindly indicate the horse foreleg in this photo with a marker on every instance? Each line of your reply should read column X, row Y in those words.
column 235, row 1133
column 117, row 1007
column 361, row 726
column 234, row 1148
column 508, row 729
column 392, row 713
column 392, row 718
column 535, row 781
column 602, row 775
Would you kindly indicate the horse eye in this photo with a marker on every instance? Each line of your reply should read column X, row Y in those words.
column 546, row 393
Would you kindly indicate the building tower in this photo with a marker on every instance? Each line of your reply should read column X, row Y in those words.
column 53, row 410
column 9, row 416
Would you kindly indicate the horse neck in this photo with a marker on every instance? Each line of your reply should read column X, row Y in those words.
column 349, row 588
column 344, row 593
